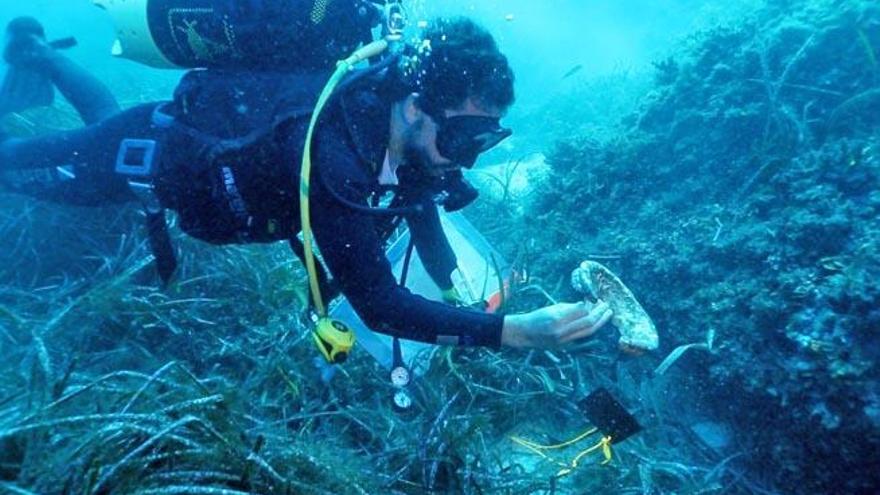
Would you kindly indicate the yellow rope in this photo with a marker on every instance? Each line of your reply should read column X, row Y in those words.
column 606, row 449
column 604, row 444
column 523, row 441
column 538, row 451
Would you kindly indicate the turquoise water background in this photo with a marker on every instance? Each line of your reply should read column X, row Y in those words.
column 723, row 158
column 601, row 37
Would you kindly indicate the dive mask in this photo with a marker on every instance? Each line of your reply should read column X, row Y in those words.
column 462, row 138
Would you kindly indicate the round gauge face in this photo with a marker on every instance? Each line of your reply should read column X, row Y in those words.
column 400, row 376
column 402, row 400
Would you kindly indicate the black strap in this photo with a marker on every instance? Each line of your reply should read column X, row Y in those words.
column 160, row 243
column 397, row 355
column 397, row 352
column 407, row 259
column 211, row 147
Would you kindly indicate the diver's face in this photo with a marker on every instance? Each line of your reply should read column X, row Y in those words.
column 422, row 148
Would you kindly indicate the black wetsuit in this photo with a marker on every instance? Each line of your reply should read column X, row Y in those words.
column 249, row 193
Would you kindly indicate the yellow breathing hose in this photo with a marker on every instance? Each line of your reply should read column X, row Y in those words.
column 343, row 67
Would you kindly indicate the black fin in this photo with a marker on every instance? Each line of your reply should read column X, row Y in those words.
column 27, row 82
column 160, row 243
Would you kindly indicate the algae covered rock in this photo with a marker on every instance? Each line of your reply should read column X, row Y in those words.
column 637, row 330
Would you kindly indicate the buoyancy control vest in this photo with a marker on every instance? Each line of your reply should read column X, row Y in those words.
column 221, row 118
column 269, row 59
column 229, row 110
column 225, row 124
column 227, row 133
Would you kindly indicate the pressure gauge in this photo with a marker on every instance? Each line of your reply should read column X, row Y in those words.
column 402, row 401
column 400, row 377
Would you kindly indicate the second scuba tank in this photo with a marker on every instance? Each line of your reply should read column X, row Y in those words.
column 240, row 34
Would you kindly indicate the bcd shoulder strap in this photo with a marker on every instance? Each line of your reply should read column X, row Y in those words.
column 225, row 111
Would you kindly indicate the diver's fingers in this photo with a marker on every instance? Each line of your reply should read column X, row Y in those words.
column 588, row 315
column 566, row 313
column 586, row 326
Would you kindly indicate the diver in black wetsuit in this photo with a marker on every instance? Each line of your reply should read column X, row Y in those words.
column 224, row 155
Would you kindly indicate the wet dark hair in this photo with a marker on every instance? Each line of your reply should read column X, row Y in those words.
column 458, row 59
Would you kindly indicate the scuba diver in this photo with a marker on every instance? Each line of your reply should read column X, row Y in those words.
column 224, row 155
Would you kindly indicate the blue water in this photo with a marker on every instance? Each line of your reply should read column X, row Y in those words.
column 722, row 158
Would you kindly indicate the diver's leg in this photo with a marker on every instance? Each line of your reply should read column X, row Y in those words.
column 29, row 53
column 76, row 166
column 24, row 86
column 91, row 98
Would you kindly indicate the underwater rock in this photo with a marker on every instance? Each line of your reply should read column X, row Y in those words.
column 746, row 190
column 715, row 435
column 637, row 331
column 828, row 419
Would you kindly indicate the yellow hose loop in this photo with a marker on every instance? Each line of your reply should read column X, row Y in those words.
column 342, row 68
column 365, row 53
column 305, row 178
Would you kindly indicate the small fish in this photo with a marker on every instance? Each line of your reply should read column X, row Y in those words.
column 574, row 70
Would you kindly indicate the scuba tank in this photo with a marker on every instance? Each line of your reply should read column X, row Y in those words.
column 241, row 34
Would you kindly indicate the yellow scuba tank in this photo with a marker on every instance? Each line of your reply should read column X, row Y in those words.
column 248, row 34
column 133, row 38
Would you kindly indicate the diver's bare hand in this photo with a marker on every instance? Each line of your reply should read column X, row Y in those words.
column 554, row 325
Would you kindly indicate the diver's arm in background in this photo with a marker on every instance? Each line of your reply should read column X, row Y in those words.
column 432, row 244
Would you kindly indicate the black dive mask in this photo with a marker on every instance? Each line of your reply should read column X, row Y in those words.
column 463, row 138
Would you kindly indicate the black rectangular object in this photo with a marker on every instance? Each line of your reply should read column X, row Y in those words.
column 605, row 413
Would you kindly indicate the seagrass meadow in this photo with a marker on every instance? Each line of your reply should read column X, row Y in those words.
column 732, row 180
